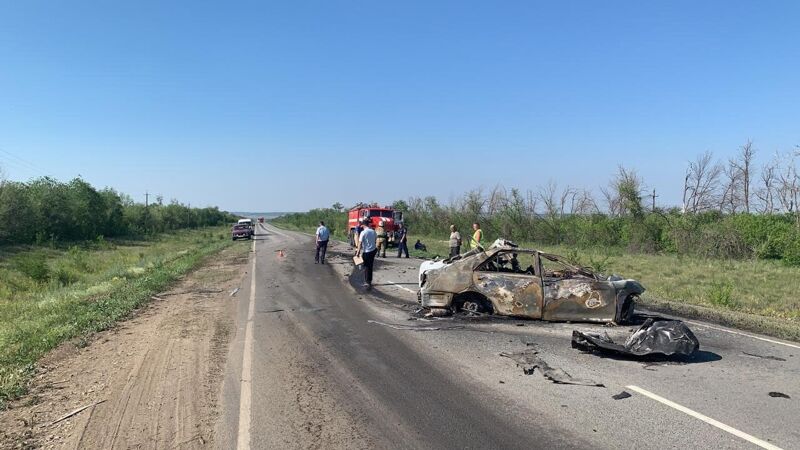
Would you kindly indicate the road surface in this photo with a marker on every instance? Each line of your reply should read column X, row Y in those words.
column 318, row 363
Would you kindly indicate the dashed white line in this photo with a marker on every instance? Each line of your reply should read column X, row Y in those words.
column 706, row 419
column 743, row 334
column 245, row 394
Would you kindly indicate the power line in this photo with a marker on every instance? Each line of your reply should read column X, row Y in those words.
column 23, row 163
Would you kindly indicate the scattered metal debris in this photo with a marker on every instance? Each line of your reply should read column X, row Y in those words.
column 774, row 358
column 662, row 337
column 622, row 395
column 778, row 395
column 233, row 292
column 530, row 360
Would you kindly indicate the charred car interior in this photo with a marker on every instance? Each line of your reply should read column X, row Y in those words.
column 507, row 280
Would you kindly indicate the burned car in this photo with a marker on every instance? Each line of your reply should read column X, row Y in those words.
column 511, row 281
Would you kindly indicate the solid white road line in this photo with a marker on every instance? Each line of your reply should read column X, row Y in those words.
column 743, row 334
column 245, row 394
column 401, row 287
column 706, row 419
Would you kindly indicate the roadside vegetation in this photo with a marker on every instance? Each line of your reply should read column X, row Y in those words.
column 46, row 211
column 75, row 259
column 729, row 252
column 52, row 294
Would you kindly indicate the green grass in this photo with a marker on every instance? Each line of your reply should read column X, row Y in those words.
column 50, row 295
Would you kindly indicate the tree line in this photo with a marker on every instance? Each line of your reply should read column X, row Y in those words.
column 730, row 209
column 47, row 210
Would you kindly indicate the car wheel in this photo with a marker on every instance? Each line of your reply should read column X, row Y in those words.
column 473, row 303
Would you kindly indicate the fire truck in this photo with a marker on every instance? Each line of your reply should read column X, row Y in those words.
column 391, row 219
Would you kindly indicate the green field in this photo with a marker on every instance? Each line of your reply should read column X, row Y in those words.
column 50, row 295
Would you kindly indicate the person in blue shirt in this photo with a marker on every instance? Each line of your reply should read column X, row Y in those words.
column 323, row 234
column 402, row 241
column 368, row 248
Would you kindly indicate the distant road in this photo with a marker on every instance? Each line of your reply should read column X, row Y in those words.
column 321, row 369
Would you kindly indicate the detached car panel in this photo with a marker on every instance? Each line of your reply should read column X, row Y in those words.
column 512, row 281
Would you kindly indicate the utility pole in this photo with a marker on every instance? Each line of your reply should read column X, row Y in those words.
column 146, row 198
column 654, row 199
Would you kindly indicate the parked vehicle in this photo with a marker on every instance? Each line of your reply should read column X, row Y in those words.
column 391, row 218
column 512, row 281
column 249, row 224
column 241, row 231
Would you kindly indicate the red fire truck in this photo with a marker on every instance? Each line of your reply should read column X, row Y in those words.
column 391, row 219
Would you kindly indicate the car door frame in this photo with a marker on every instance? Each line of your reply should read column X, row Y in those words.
column 512, row 294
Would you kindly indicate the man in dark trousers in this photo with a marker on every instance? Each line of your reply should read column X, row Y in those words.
column 368, row 248
column 323, row 234
column 402, row 241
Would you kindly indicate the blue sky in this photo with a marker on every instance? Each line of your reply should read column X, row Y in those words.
column 298, row 104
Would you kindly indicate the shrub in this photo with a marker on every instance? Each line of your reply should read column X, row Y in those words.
column 791, row 253
column 34, row 266
column 65, row 276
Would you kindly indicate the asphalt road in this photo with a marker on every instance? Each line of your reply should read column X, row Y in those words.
column 319, row 364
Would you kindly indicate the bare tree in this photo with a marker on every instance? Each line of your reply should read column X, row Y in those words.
column 745, row 165
column 611, row 200
column 584, row 203
column 765, row 192
column 730, row 198
column 498, row 199
column 788, row 182
column 701, row 184
column 548, row 194
column 531, row 203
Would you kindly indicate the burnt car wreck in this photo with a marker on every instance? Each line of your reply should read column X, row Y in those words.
column 511, row 281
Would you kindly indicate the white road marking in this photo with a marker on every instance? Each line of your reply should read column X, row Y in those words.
column 245, row 394
column 401, row 287
column 706, row 419
column 743, row 334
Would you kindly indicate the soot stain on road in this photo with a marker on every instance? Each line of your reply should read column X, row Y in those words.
column 529, row 360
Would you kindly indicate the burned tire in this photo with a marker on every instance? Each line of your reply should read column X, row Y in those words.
column 472, row 303
column 626, row 312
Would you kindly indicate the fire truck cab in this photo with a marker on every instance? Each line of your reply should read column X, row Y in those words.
column 392, row 220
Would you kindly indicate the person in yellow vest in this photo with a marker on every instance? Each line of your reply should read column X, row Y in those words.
column 382, row 239
column 477, row 236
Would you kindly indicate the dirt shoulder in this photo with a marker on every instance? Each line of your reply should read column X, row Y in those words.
column 150, row 382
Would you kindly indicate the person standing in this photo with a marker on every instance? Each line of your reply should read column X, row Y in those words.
column 455, row 241
column 382, row 238
column 323, row 234
column 477, row 236
column 402, row 241
column 357, row 234
column 368, row 249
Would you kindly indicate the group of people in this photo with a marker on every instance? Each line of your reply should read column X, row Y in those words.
column 370, row 243
column 455, row 239
column 373, row 242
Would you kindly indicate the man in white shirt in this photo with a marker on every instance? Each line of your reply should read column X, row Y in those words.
column 323, row 234
column 368, row 249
